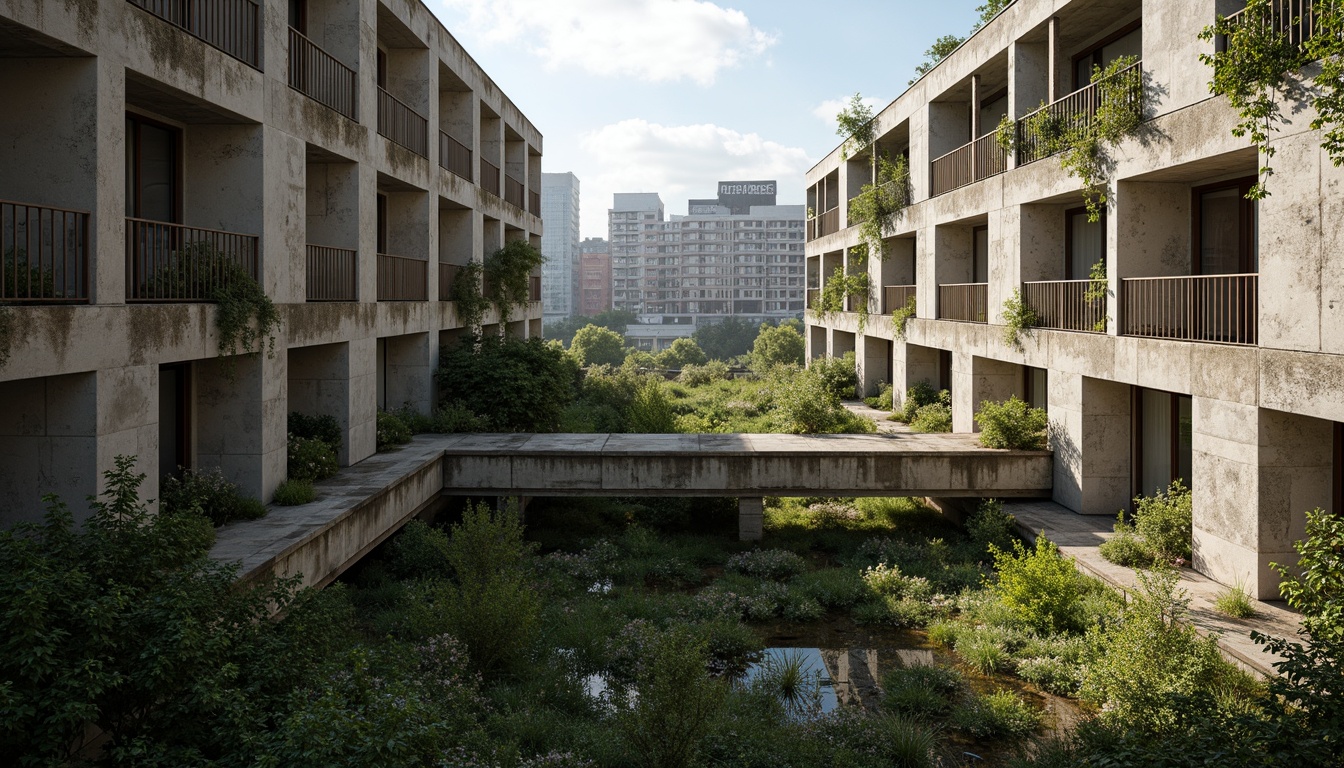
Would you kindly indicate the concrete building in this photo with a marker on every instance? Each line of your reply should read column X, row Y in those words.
column 737, row 254
column 1217, row 355
column 594, row 276
column 560, row 246
column 347, row 154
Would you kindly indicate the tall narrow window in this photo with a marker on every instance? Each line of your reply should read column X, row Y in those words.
column 152, row 170
column 980, row 261
column 1035, row 387
column 1337, row 497
column 1225, row 229
column 298, row 15
column 1084, row 243
column 382, row 224
column 1163, row 449
column 945, row 369
column 381, row 61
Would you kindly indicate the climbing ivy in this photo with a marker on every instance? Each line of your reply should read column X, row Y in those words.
column 1097, row 289
column 466, row 293
column 836, row 289
column 1018, row 319
column 506, row 273
column 877, row 206
column 1085, row 144
column 901, row 316
column 854, row 124
column 1257, row 71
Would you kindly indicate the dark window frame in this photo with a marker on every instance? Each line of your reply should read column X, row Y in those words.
column 381, row 224
column 976, row 230
column 945, row 369
column 1246, row 214
column 297, row 13
column 1068, row 243
column 136, row 121
column 380, row 69
column 1136, row 438
column 1094, row 51
column 1029, row 388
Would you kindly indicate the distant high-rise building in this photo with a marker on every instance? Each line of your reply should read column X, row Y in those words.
column 560, row 244
column 737, row 254
column 594, row 276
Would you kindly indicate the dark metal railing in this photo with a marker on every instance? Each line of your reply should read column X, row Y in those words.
column 534, row 203
column 823, row 225
column 447, row 276
column 321, row 76
column 401, row 124
column 172, row 262
column 967, row 302
column 1217, row 308
column 534, row 288
column 1063, row 304
column 968, row 163
column 402, row 279
column 45, row 254
column 514, row 191
column 331, row 273
column 1297, row 20
column 1074, row 111
column 454, row 156
column 232, row 26
column 489, row 177
column 895, row 297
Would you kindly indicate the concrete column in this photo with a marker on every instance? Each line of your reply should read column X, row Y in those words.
column 926, row 274
column 409, row 371
column 1028, row 81
column 284, row 259
column 1055, row 68
column 964, row 404
column 984, row 379
column 975, row 107
column 750, row 519
column 1090, row 435
column 240, row 420
column 912, row 364
column 874, row 362
column 363, row 360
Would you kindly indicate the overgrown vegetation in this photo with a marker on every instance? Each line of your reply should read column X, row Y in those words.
column 245, row 317
column 839, row 289
column 292, row 493
column 1159, row 533
column 1012, row 424
column 854, row 125
column 313, row 444
column 1098, row 288
column 506, row 275
column 900, row 317
column 879, row 204
column 1018, row 319
column 206, row 493
column 468, row 296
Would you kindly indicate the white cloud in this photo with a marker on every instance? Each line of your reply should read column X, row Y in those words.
column 827, row 110
column 680, row 162
column 654, row 40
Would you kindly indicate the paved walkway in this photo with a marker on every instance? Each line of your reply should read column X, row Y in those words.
column 884, row 426
column 1078, row 536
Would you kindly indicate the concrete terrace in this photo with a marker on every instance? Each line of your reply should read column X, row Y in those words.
column 365, row 503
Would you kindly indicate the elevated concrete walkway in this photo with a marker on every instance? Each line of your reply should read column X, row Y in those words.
column 365, row 503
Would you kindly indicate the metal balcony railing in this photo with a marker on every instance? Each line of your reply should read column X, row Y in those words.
column 45, row 254
column 232, row 26
column 401, row 124
column 402, row 279
column 1214, row 308
column 454, row 156
column 534, row 203
column 1075, row 110
column 967, row 302
column 980, row 159
column 332, row 273
column 490, row 177
column 895, row 297
column 1063, row 305
column 823, row 225
column 1295, row 19
column 320, row 76
column 514, row 191
column 171, row 262
column 447, row 276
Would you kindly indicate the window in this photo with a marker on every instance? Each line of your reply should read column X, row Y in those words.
column 153, row 184
column 1337, row 498
column 382, row 69
column 382, row 224
column 298, row 15
column 1035, row 383
column 980, row 261
column 1084, row 243
column 992, row 110
column 945, row 369
column 1162, row 440
column 1225, row 229
column 1128, row 41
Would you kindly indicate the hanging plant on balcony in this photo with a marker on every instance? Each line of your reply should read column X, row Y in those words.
column 877, row 206
column 1257, row 71
column 839, row 287
column 506, row 273
column 1097, row 290
column 1018, row 319
column 1085, row 143
column 467, row 295
column 901, row 316
column 855, row 125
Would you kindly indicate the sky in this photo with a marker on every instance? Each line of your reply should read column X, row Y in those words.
column 671, row 96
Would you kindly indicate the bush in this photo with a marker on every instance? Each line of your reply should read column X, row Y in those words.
column 833, row 588
column 419, row 551
column 1042, row 589
column 210, row 494
column 1011, row 424
column 885, row 580
column 292, row 493
column 310, row 459
column 935, row 417
column 923, row 691
column 1160, row 534
column 1051, row 673
column 777, row 345
column 681, row 353
column 998, row 715
column 595, row 345
column 391, row 431
column 805, row 407
column 700, row 375
column 520, row 385
column 774, row 564
column 1125, row 548
column 990, row 526
column 651, row 412
column 917, row 397
column 325, row 428
column 677, row 702
column 838, row 375
column 883, row 400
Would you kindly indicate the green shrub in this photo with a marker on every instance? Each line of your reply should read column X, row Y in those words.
column 918, row 396
column 1011, row 424
column 700, row 375
column 833, row 588
column 651, row 412
column 805, row 406
column 774, row 564
column 781, row 344
column 419, row 551
column 325, row 428
column 292, row 493
column 1051, row 673
column 922, row 691
column 883, row 400
column 983, row 652
column 990, row 525
column 885, row 580
column 998, row 715
column 677, row 703
column 943, row 633
column 391, row 431
column 520, row 385
column 1041, row 588
column 1125, row 548
column 210, row 494
column 839, row 375
column 595, row 345
column 1163, row 521
column 932, row 418
column 681, row 353
column 310, row 459
column 1235, row 602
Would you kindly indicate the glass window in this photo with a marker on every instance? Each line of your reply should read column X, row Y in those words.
column 1226, row 229
column 980, row 267
column 1086, row 243
column 1035, row 383
column 1128, row 44
column 151, row 170
column 1162, row 440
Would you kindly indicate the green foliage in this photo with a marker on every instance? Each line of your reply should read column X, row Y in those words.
column 918, row 396
column 595, row 345
column 777, row 345
column 1318, row 592
column 506, row 273
column 681, row 353
column 1097, row 290
column 1235, row 602
column 391, row 430
column 900, row 317
column 877, row 206
column 838, row 374
column 998, row 715
column 700, row 375
column 563, row 329
column 651, row 412
column 838, row 289
column 1040, row 587
column 726, row 340
column 1012, row 424
column 931, row 417
column 125, row 623
column 1143, row 666
column 990, row 528
column 936, row 53
column 854, row 124
column 924, row 691
column 325, row 428
column 678, row 701
column 805, row 405
column 775, row 564
column 467, row 295
column 447, row 419
column 310, row 459
column 519, row 385
column 1018, row 319
column 1161, row 532
column 292, row 493
column 990, row 9
column 209, row 494
column 882, row 401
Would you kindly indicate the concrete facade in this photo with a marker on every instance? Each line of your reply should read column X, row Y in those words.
column 123, row 123
column 1214, row 391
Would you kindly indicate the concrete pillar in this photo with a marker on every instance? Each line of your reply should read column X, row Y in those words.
column 409, row 370
column 363, row 359
column 977, row 379
column 1028, row 82
column 912, row 364
column 1057, row 67
column 750, row 519
column 1090, row 435
column 874, row 364
column 240, row 420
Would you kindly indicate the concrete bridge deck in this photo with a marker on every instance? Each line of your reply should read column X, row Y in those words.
column 365, row 503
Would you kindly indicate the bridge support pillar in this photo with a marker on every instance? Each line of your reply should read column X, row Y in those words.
column 750, row 519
